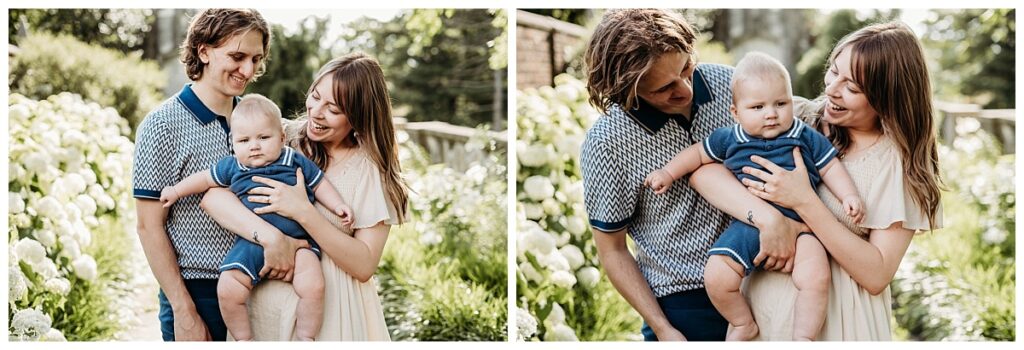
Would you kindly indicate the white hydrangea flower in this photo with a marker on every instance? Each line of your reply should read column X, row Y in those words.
column 556, row 316
column 538, row 187
column 533, row 211
column 15, row 203
column 532, row 155
column 85, row 267
column 564, row 279
column 47, row 269
column 86, row 204
column 36, row 162
column 17, row 287
column 58, row 285
column 526, row 325
column 588, row 276
column 30, row 323
column 74, row 183
column 51, row 208
column 70, row 247
column 573, row 254
column 53, row 335
column 46, row 237
column 530, row 273
column 30, row 251
column 536, row 240
column 560, row 332
column 551, row 207
column 576, row 225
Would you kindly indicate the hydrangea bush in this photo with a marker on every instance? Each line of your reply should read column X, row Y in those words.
column 443, row 275
column 958, row 283
column 559, row 285
column 70, row 214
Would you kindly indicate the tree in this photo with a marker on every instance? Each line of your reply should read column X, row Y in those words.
column 810, row 75
column 293, row 62
column 124, row 30
column 975, row 53
column 438, row 63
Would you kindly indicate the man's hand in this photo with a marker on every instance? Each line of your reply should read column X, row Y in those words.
column 188, row 326
column 279, row 255
column 669, row 334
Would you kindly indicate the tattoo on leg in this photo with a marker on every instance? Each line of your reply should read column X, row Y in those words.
column 750, row 217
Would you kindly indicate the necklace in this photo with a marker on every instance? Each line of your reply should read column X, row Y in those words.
column 343, row 156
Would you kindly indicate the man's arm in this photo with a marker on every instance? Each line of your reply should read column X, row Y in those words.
column 625, row 275
column 152, row 217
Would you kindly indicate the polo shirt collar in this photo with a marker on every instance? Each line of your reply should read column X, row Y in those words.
column 652, row 119
column 197, row 107
column 793, row 132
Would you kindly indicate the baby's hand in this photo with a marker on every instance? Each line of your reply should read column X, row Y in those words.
column 854, row 208
column 659, row 181
column 345, row 213
column 168, row 196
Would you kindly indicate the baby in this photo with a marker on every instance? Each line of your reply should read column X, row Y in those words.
column 763, row 106
column 257, row 139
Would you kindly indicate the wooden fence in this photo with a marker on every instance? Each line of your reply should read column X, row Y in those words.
column 446, row 143
column 1000, row 123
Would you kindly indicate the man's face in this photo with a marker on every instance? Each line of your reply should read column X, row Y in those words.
column 668, row 85
column 231, row 66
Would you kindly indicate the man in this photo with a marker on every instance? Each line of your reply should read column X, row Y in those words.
column 224, row 50
column 656, row 100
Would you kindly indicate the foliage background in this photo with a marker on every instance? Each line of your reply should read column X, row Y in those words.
column 442, row 275
column 956, row 283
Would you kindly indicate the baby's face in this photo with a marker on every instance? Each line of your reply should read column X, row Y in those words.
column 763, row 106
column 256, row 139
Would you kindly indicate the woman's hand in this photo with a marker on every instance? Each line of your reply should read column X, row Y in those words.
column 288, row 201
column 790, row 189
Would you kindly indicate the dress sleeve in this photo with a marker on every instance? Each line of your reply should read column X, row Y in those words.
column 889, row 201
column 153, row 167
column 607, row 194
column 370, row 204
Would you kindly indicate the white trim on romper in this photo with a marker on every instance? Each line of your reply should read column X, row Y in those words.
column 247, row 272
column 730, row 251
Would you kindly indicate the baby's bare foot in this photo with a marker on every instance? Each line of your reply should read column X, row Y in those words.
column 743, row 332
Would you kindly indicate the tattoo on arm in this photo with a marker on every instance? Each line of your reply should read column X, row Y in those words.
column 750, row 217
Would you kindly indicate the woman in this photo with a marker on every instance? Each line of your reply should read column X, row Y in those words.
column 348, row 132
column 877, row 111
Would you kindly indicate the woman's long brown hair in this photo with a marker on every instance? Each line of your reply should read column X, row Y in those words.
column 362, row 95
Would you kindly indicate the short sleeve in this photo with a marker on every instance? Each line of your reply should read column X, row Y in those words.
column 151, row 168
column 888, row 201
column 310, row 171
column 369, row 201
column 822, row 150
column 717, row 144
column 607, row 194
column 224, row 170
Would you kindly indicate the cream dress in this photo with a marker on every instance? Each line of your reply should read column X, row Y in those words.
column 853, row 313
column 352, row 309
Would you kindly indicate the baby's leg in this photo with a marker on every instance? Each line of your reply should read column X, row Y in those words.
column 232, row 291
column 722, row 278
column 811, row 275
column 309, row 285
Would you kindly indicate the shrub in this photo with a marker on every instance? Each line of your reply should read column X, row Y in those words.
column 958, row 283
column 47, row 65
column 558, row 280
column 71, row 261
column 443, row 276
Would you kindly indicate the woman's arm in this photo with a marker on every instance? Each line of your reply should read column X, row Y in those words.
column 871, row 263
column 359, row 256
column 625, row 275
column 278, row 249
column 778, row 233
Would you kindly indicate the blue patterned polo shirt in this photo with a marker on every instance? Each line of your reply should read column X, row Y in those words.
column 177, row 139
column 673, row 231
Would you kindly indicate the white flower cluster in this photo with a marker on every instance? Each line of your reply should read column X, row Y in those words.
column 554, row 249
column 69, row 172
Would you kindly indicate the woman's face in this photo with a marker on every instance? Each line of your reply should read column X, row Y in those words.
column 327, row 123
column 668, row 85
column 847, row 106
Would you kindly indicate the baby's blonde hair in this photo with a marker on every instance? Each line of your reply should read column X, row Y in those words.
column 758, row 65
column 257, row 105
